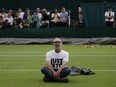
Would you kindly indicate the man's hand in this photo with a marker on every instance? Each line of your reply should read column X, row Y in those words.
column 109, row 17
column 56, row 75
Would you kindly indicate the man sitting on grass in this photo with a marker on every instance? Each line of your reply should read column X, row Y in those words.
column 57, row 59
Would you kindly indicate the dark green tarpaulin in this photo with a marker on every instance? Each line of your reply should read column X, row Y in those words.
column 66, row 32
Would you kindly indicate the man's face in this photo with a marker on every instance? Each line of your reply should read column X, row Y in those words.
column 109, row 9
column 57, row 43
column 63, row 9
column 19, row 10
column 37, row 10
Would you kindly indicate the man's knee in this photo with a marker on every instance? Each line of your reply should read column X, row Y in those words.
column 65, row 72
column 43, row 69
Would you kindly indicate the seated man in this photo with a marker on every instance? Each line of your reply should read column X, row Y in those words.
column 64, row 17
column 57, row 59
column 46, row 18
column 109, row 17
column 18, row 21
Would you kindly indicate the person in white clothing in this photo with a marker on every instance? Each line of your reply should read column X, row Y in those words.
column 64, row 17
column 109, row 17
column 21, row 14
column 57, row 59
column 10, row 18
column 80, row 15
column 39, row 14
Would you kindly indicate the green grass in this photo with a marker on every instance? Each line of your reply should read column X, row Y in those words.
column 32, row 57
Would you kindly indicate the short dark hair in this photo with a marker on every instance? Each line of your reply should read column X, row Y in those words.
column 109, row 7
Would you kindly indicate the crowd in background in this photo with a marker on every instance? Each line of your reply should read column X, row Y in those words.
column 44, row 18
column 34, row 19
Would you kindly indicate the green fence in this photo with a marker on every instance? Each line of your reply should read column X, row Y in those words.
column 66, row 32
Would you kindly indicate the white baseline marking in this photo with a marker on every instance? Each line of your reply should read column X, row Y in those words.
column 105, row 70
column 45, row 52
column 19, row 70
column 44, row 55
column 22, row 70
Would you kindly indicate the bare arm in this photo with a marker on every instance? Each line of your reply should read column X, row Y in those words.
column 60, row 69
column 109, row 17
column 55, row 74
column 50, row 67
column 62, row 66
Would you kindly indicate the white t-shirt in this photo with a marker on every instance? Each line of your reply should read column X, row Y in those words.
column 57, row 58
column 21, row 14
column 10, row 20
column 111, row 14
column 40, row 16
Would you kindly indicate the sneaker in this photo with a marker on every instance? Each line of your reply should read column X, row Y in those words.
column 45, row 79
column 65, row 79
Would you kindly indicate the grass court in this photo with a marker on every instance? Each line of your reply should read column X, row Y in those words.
column 20, row 65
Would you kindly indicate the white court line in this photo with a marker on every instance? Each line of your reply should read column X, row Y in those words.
column 22, row 70
column 21, row 55
column 105, row 70
column 19, row 70
column 45, row 52
column 20, row 52
column 44, row 55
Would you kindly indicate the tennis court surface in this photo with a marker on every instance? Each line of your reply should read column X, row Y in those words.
column 20, row 65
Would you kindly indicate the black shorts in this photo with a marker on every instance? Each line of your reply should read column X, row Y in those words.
column 109, row 24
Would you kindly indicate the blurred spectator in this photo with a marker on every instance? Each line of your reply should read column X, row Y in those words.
column 109, row 17
column 18, row 20
column 37, row 18
column 46, row 18
column 64, row 17
column 15, row 25
column 39, row 14
column 80, row 16
column 1, row 22
column 4, row 14
column 12, row 13
column 27, row 19
column 10, row 18
column 55, row 18
column 20, row 13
